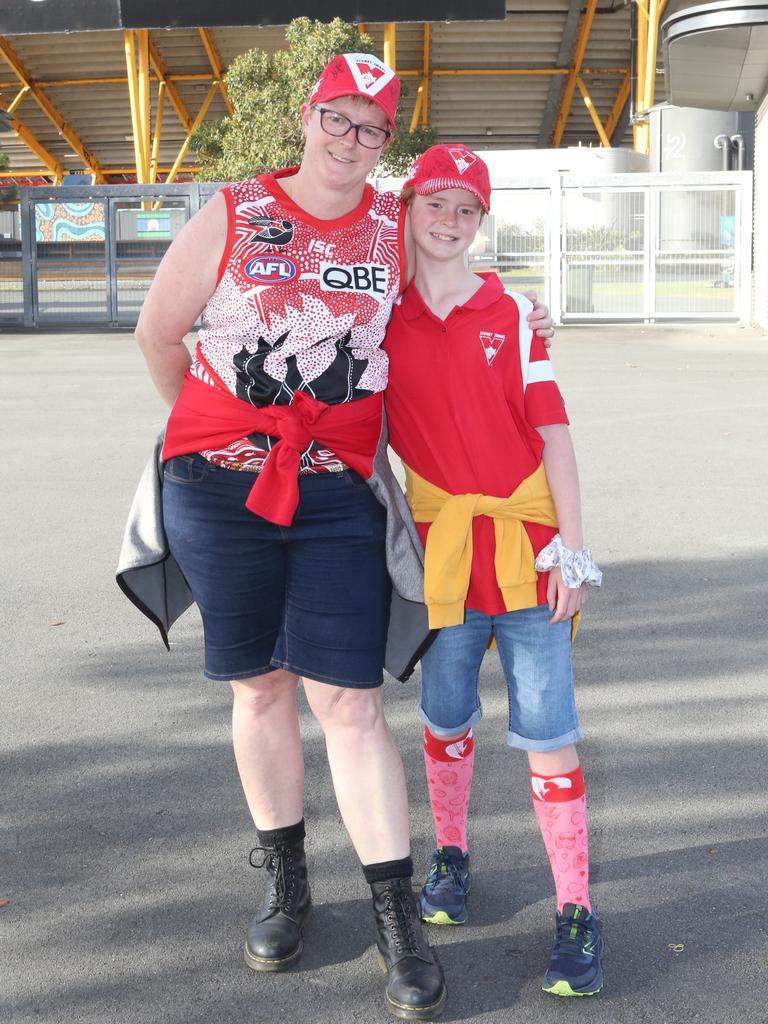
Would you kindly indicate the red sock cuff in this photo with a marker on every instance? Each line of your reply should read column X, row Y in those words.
column 553, row 789
column 448, row 750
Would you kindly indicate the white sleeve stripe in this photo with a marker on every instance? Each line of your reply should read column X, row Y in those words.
column 525, row 334
column 540, row 371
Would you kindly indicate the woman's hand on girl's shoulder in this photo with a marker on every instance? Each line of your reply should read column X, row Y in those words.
column 540, row 320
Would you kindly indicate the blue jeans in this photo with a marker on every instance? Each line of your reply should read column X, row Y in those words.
column 312, row 597
column 536, row 658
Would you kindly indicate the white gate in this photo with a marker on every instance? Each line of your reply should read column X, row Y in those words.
column 622, row 247
column 626, row 247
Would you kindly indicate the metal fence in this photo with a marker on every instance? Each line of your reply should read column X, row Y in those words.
column 622, row 247
column 76, row 257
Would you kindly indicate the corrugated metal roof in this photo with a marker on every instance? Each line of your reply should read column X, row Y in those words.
column 486, row 110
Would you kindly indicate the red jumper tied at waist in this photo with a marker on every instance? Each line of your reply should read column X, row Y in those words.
column 209, row 417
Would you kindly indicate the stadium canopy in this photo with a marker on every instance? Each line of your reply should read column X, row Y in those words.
column 730, row 39
column 115, row 88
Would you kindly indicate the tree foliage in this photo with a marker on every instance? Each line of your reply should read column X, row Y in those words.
column 266, row 90
column 8, row 195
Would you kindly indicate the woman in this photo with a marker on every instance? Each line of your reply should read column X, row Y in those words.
column 295, row 274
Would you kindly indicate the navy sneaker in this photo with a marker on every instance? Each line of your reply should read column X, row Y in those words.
column 443, row 899
column 575, row 968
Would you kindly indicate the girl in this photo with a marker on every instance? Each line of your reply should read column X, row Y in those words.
column 476, row 416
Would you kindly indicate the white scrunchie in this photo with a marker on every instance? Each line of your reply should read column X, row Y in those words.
column 577, row 567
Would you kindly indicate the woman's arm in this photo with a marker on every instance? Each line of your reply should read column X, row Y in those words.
column 560, row 465
column 185, row 280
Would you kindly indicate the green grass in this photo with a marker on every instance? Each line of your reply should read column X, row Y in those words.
column 667, row 289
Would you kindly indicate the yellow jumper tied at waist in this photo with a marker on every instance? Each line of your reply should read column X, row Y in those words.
column 448, row 554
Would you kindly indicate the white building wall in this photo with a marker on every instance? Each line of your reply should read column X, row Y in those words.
column 761, row 217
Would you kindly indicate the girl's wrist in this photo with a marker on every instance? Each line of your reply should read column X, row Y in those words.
column 576, row 566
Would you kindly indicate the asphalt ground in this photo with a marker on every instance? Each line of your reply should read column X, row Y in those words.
column 124, row 833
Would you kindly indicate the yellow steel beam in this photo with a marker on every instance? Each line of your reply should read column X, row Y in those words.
column 129, row 42
column 486, row 72
column 523, row 72
column 592, row 112
column 142, row 46
column 648, row 21
column 649, row 83
column 618, row 105
column 17, row 99
column 177, row 102
column 421, row 107
column 160, row 170
column 613, row 70
column 195, row 124
column 13, row 62
column 390, row 44
column 30, row 172
column 215, row 61
column 55, row 169
column 639, row 131
column 49, row 83
column 519, row 71
column 45, row 83
column 417, row 108
column 161, row 90
column 574, row 71
column 27, row 172
column 426, row 40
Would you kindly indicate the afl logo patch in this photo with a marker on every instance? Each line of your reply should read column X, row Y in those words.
column 272, row 270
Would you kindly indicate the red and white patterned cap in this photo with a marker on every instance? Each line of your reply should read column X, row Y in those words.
column 359, row 74
column 447, row 166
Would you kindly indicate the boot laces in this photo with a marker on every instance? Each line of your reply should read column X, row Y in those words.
column 400, row 913
column 279, row 863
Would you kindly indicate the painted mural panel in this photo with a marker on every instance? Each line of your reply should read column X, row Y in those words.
column 69, row 222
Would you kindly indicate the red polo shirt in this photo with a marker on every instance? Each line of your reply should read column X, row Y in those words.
column 463, row 399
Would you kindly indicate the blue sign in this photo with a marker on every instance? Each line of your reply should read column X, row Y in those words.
column 727, row 231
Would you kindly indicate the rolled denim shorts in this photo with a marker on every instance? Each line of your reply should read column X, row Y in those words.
column 312, row 597
column 536, row 659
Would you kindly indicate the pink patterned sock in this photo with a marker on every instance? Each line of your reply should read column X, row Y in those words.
column 561, row 811
column 449, row 765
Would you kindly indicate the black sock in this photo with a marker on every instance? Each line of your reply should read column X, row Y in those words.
column 388, row 869
column 289, row 835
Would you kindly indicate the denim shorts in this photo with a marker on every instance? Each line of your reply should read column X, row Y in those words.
column 536, row 659
column 312, row 597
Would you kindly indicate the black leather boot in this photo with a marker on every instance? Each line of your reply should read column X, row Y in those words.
column 275, row 935
column 415, row 983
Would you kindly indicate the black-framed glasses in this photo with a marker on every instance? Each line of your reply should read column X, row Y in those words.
column 334, row 123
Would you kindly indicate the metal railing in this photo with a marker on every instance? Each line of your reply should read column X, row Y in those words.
column 622, row 247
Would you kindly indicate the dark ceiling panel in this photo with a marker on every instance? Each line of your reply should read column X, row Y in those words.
column 22, row 17
column 171, row 13
column 29, row 17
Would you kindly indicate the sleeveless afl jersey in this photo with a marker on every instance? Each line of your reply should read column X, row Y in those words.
column 300, row 304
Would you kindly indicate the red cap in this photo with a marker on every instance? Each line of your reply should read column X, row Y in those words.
column 451, row 167
column 359, row 74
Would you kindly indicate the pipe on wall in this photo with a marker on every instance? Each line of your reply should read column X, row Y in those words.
column 723, row 142
column 737, row 141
